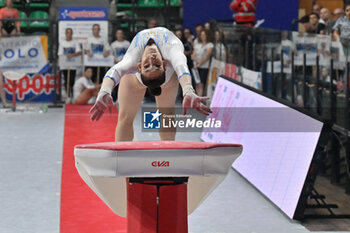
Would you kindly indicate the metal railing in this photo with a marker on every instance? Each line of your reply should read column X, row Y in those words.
column 308, row 70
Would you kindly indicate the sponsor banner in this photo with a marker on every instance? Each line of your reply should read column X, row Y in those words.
column 310, row 49
column 287, row 47
column 324, row 50
column 69, row 63
column 32, row 88
column 81, row 29
column 81, row 19
column 287, row 69
column 337, row 53
column 217, row 68
column 24, row 54
column 305, row 44
column 231, row 71
column 298, row 41
column 251, row 78
column 98, row 60
column 83, row 13
column 313, row 45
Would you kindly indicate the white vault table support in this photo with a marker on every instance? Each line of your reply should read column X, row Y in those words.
column 105, row 166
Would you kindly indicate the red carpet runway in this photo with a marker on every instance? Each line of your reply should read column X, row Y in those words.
column 81, row 210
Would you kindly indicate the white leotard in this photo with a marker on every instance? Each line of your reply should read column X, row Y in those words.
column 169, row 45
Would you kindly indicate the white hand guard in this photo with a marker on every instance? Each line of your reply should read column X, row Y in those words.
column 191, row 100
column 104, row 100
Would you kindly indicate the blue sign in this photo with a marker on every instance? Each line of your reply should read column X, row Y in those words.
column 83, row 13
column 151, row 120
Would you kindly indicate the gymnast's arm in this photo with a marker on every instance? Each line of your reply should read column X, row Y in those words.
column 178, row 60
column 127, row 64
column 111, row 79
column 191, row 100
column 114, row 74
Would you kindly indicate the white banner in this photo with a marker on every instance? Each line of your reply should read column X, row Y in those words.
column 98, row 60
column 324, row 50
column 310, row 45
column 313, row 45
column 337, row 53
column 196, row 75
column 287, row 69
column 24, row 54
column 69, row 63
column 298, row 41
column 81, row 29
column 305, row 44
column 251, row 78
column 217, row 68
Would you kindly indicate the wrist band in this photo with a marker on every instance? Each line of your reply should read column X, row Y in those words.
column 115, row 82
column 181, row 70
column 188, row 89
column 184, row 74
column 106, row 90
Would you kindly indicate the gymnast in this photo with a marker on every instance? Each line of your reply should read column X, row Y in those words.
column 155, row 60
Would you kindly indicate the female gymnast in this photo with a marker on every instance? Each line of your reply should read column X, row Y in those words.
column 155, row 60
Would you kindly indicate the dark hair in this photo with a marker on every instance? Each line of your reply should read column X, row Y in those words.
column 183, row 39
column 317, row 5
column 199, row 25
column 88, row 67
column 207, row 33
column 188, row 29
column 304, row 19
column 70, row 29
column 317, row 15
column 96, row 25
column 154, row 84
column 222, row 36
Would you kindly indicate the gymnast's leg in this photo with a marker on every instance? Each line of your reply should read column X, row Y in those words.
column 85, row 96
column 130, row 96
column 166, row 104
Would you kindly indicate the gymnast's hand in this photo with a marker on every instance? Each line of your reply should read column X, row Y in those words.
column 191, row 100
column 104, row 100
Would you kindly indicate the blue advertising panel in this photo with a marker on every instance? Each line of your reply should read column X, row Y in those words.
column 83, row 13
column 276, row 13
column 198, row 11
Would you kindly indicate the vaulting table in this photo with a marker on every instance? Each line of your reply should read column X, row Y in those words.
column 154, row 184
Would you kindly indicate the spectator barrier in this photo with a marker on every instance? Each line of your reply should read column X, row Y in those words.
column 308, row 71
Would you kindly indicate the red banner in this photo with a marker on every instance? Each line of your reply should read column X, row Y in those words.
column 231, row 71
column 28, row 86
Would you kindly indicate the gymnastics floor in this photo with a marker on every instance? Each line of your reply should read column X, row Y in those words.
column 33, row 199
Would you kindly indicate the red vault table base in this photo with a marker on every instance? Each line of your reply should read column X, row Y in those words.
column 154, row 184
column 162, row 207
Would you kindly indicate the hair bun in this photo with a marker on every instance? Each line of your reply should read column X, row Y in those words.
column 155, row 91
